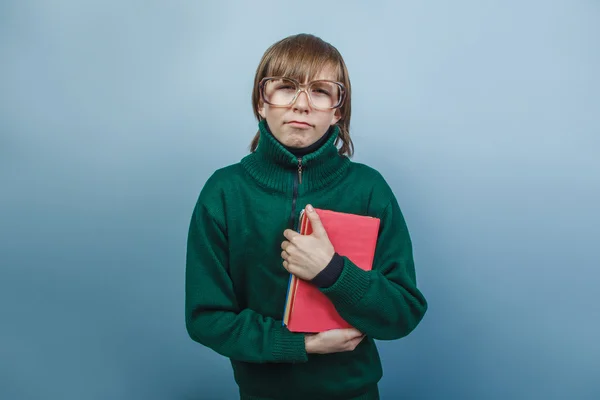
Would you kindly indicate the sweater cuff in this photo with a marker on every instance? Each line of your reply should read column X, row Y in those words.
column 289, row 346
column 330, row 274
column 351, row 285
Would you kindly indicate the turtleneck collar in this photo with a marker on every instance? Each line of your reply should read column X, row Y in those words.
column 274, row 166
column 301, row 152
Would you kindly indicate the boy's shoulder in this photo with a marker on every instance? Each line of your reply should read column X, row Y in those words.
column 226, row 172
column 368, row 173
column 365, row 170
column 379, row 189
column 221, row 179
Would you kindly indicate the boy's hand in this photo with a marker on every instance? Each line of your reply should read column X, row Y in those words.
column 333, row 341
column 307, row 255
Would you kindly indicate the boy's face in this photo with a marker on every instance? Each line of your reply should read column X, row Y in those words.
column 299, row 125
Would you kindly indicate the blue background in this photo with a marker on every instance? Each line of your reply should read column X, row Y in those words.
column 482, row 115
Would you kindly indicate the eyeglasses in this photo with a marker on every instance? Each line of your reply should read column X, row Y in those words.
column 322, row 94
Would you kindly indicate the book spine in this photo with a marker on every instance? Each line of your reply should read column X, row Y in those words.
column 291, row 289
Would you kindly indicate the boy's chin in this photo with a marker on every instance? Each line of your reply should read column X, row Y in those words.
column 297, row 144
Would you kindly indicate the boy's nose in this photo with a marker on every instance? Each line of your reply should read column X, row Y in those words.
column 302, row 102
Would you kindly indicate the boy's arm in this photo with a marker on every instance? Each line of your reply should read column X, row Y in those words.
column 212, row 315
column 383, row 303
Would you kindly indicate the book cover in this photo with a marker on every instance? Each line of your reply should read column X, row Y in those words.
column 354, row 236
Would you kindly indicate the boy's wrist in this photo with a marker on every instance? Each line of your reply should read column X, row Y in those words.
column 309, row 343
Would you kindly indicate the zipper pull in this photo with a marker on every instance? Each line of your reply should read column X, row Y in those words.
column 299, row 170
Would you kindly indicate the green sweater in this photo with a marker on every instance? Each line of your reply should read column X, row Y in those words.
column 236, row 285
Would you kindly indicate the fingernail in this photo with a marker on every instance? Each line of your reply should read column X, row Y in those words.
column 309, row 208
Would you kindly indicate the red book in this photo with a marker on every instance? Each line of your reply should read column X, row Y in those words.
column 354, row 236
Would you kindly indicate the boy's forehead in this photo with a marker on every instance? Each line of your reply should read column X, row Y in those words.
column 327, row 72
column 305, row 72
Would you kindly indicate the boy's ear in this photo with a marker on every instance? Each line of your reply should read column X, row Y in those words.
column 261, row 109
column 337, row 115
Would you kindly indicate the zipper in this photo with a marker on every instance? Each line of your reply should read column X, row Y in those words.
column 297, row 182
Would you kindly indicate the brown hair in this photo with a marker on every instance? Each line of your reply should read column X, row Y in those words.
column 301, row 57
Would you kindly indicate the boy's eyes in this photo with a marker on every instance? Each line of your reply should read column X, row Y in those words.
column 292, row 87
column 320, row 90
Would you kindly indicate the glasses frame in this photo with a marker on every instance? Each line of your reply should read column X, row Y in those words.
column 302, row 88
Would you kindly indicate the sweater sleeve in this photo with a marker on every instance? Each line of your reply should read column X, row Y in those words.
column 212, row 314
column 383, row 303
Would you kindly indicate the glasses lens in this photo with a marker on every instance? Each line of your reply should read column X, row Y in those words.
column 280, row 91
column 323, row 94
